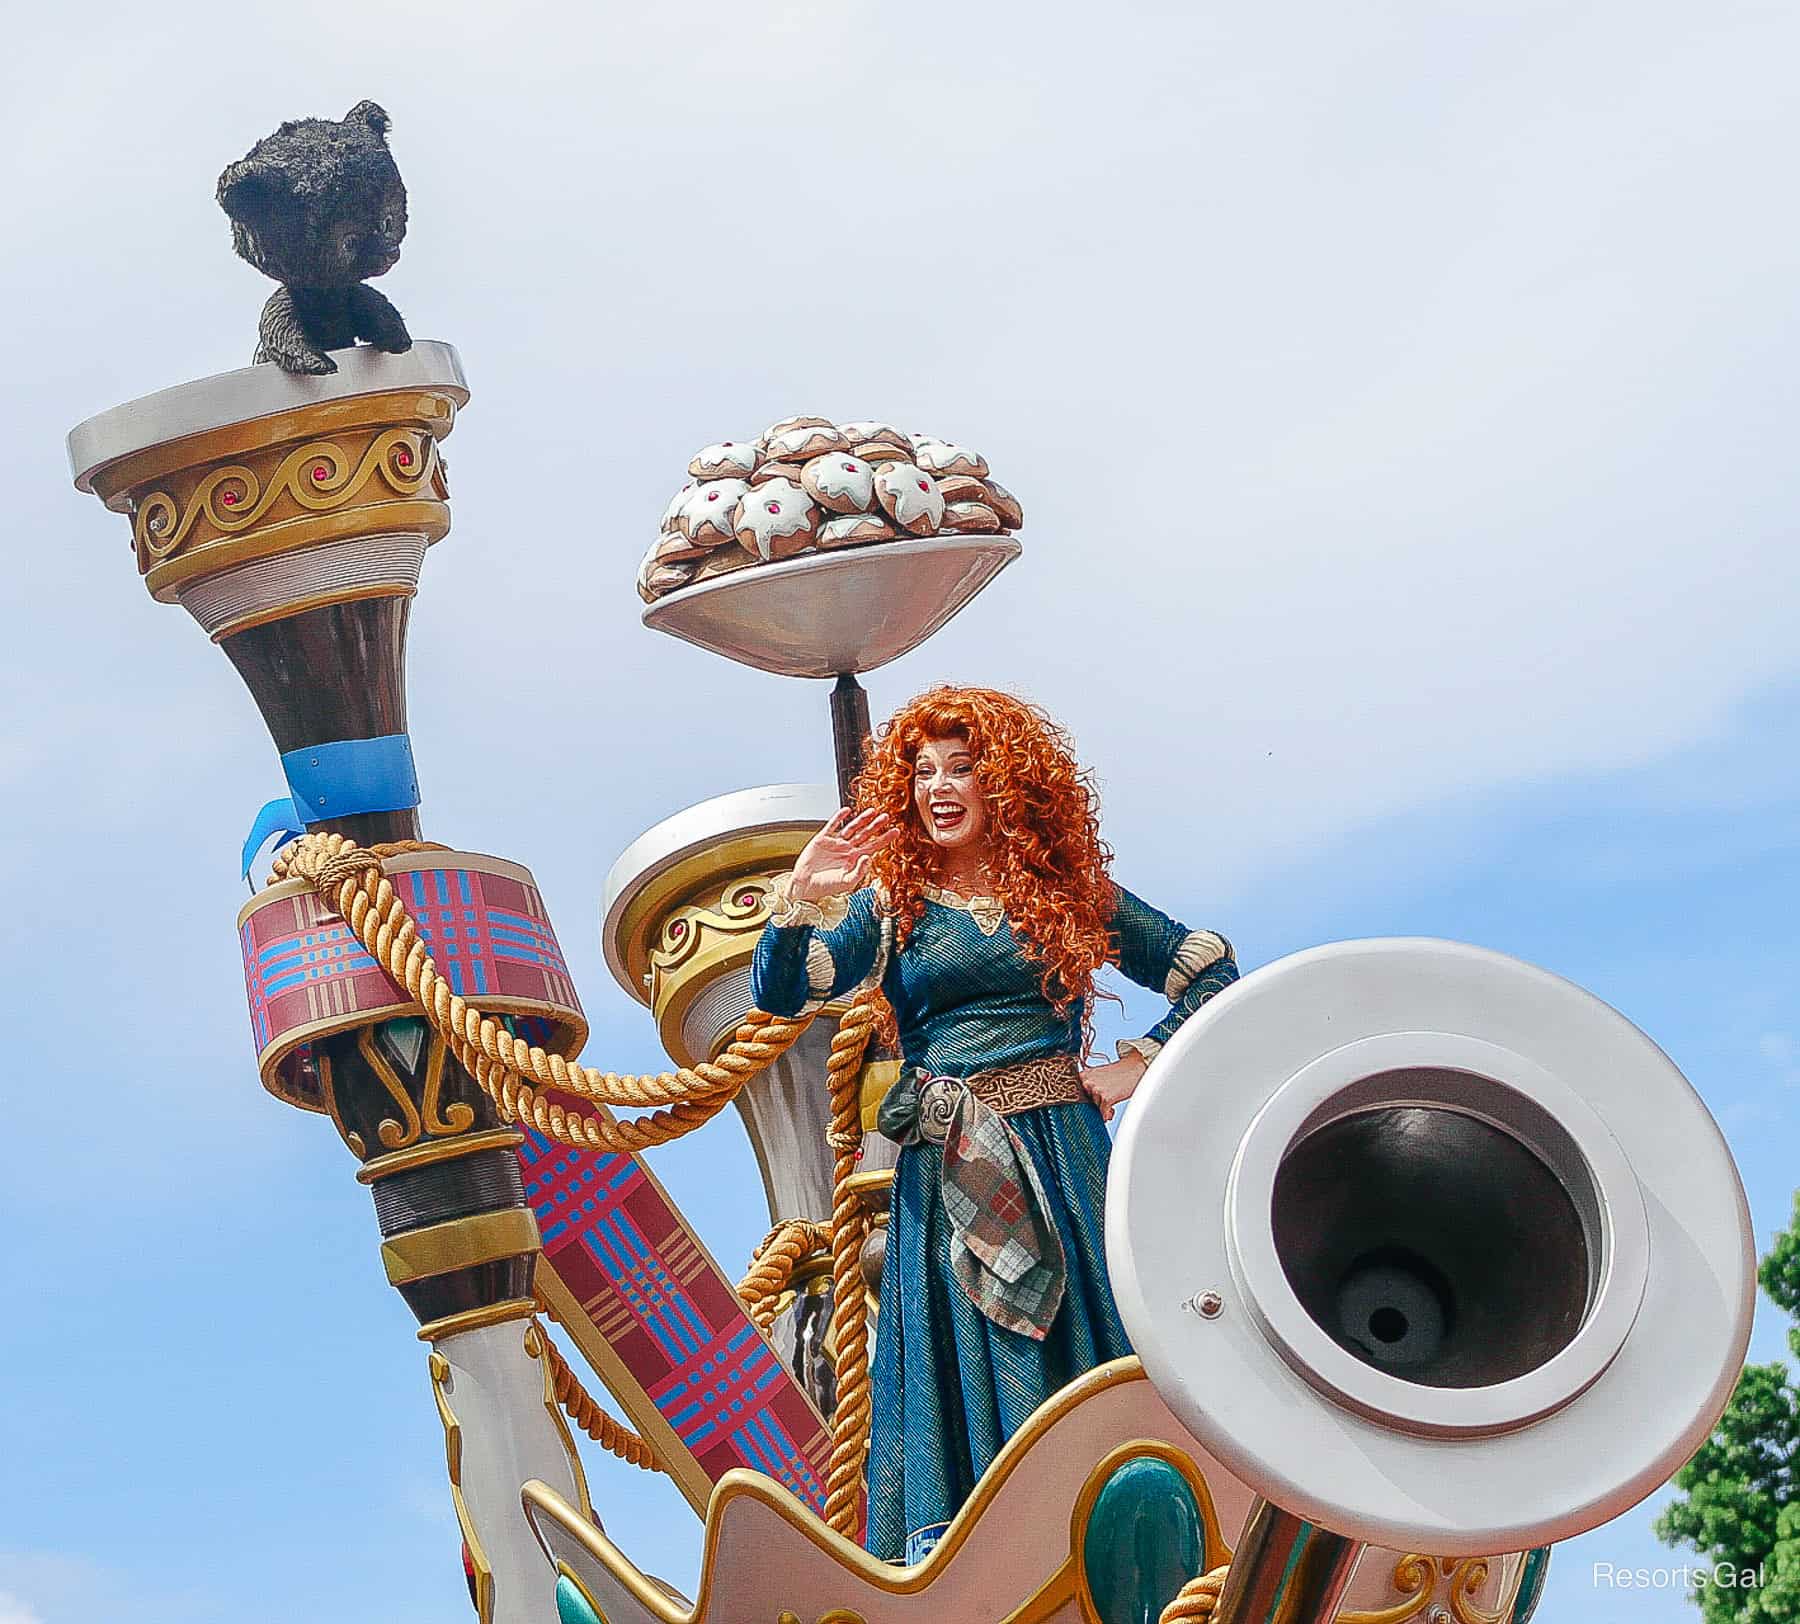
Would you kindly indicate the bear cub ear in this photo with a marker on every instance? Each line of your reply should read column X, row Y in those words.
column 249, row 188
column 367, row 112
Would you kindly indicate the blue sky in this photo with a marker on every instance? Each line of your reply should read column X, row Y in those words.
column 1401, row 400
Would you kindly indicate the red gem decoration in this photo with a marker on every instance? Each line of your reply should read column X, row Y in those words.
column 229, row 498
column 924, row 485
column 679, row 928
column 320, row 470
column 712, row 496
column 774, row 507
column 405, row 458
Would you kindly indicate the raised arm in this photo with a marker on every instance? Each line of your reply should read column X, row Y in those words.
column 823, row 931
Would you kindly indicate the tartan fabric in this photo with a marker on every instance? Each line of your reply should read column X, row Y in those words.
column 1006, row 1255
column 1006, row 1258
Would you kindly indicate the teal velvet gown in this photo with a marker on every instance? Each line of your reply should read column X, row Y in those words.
column 950, row 1385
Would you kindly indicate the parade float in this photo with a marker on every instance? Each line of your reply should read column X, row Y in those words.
column 1457, row 1266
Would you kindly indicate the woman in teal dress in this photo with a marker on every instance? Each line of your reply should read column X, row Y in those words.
column 972, row 887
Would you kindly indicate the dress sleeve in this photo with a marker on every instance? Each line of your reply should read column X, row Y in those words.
column 810, row 953
column 1186, row 966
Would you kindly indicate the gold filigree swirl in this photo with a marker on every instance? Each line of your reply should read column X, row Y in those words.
column 319, row 476
column 743, row 906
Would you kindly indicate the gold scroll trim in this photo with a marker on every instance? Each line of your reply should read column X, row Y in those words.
column 459, row 1243
column 437, row 1150
column 478, row 1319
column 319, row 476
column 441, row 1384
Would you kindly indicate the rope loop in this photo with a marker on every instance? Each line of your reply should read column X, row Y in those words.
column 350, row 882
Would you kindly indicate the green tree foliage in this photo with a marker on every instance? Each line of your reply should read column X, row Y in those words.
column 1739, row 1504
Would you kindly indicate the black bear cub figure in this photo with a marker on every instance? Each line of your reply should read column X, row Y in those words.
column 320, row 207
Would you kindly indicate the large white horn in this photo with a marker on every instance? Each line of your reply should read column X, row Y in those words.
column 1432, row 1248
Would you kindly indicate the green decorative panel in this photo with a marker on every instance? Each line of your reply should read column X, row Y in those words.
column 1144, row 1540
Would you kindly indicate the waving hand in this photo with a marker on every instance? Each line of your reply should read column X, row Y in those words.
column 836, row 860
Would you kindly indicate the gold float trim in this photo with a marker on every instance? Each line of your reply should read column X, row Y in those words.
column 535, row 1345
column 428, row 517
column 328, row 1089
column 1415, row 1577
column 436, row 1150
column 459, row 1243
column 161, row 526
column 430, row 410
column 888, row 1578
column 764, row 853
column 742, row 908
column 439, row 1367
column 478, row 1319
column 393, row 1135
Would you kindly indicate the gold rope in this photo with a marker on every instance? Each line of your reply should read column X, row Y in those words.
column 1196, row 1599
column 350, row 881
column 772, row 1265
column 849, row 1312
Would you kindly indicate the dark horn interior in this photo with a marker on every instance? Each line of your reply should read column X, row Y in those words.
column 1432, row 1245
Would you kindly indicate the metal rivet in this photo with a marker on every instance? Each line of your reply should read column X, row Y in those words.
column 1207, row 1304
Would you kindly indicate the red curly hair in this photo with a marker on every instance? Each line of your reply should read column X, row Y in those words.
column 1052, row 871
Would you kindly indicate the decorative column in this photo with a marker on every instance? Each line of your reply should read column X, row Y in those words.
column 290, row 517
column 684, row 906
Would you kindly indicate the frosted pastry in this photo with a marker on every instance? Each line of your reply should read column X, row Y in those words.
column 766, row 471
column 871, row 433
column 730, row 459
column 971, row 518
column 909, row 497
column 802, row 444
column 672, row 513
column 962, row 488
column 843, row 483
column 776, row 520
column 722, row 561
column 879, row 451
column 853, row 529
column 709, row 515
column 941, row 457
column 675, row 548
column 788, row 423
column 1005, row 505
column 658, row 580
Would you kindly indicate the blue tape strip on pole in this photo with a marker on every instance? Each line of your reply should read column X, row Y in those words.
column 351, row 776
column 278, row 817
column 337, row 780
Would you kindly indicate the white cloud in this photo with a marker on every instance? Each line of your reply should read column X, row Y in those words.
column 15, row 1611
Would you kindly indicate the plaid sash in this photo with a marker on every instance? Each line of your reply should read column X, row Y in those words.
column 1005, row 1254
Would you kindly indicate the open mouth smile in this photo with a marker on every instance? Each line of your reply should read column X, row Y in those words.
column 946, row 816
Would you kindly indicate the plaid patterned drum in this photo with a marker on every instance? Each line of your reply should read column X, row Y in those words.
column 481, row 918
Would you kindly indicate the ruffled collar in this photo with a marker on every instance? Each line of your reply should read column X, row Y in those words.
column 989, row 913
